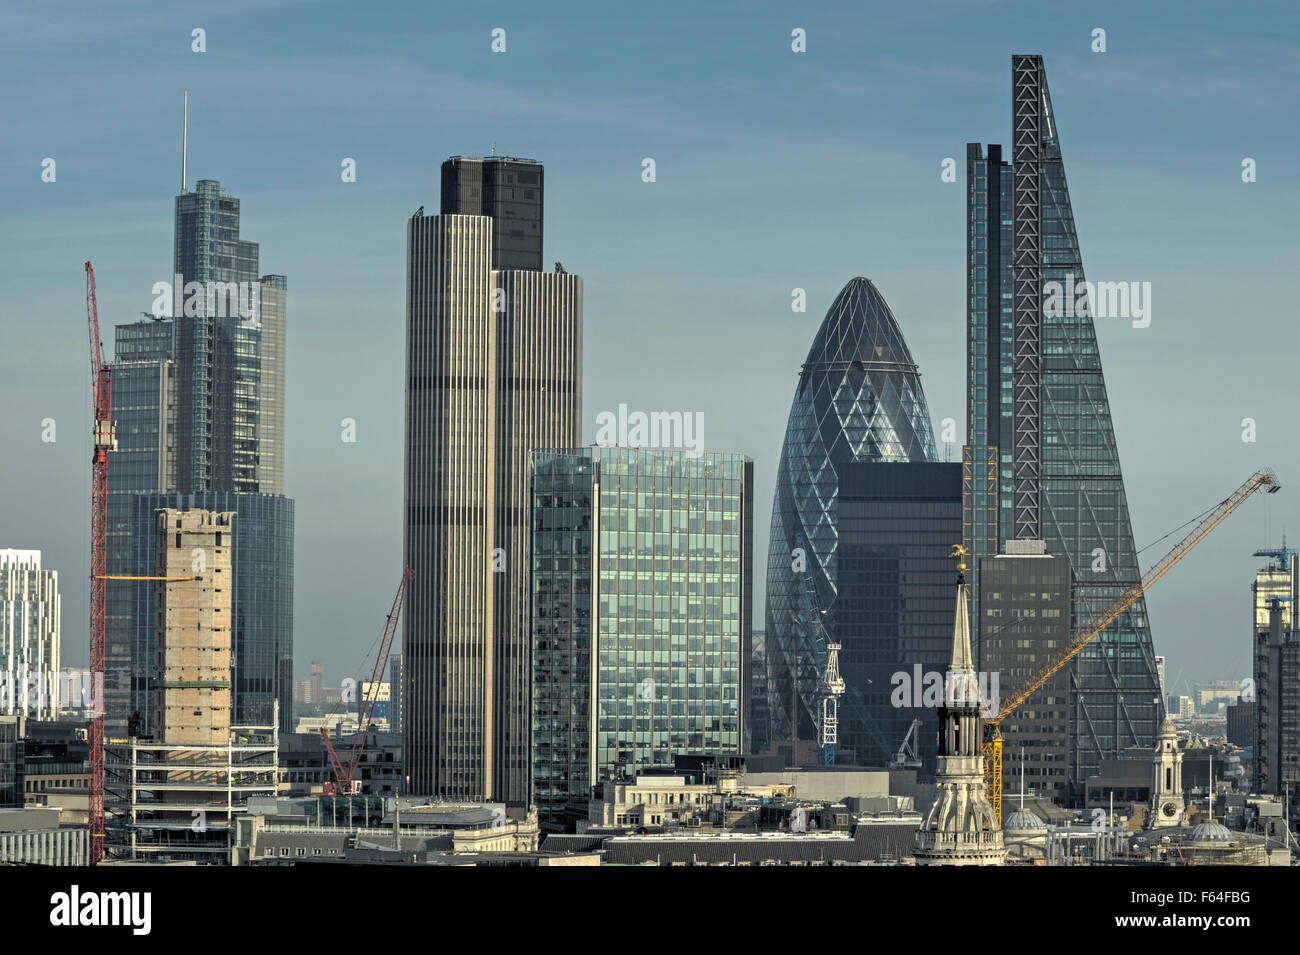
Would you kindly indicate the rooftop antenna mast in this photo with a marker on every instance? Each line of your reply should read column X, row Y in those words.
column 185, row 143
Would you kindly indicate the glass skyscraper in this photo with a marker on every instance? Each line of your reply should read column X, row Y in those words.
column 641, row 615
column 858, row 400
column 898, row 523
column 1041, row 460
column 199, row 402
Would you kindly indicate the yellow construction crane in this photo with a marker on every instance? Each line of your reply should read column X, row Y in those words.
column 1260, row 480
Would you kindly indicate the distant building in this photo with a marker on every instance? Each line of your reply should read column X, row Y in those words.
column 1242, row 724
column 1182, row 707
column 641, row 615
column 1211, row 698
column 1025, row 606
column 29, row 636
column 1277, row 678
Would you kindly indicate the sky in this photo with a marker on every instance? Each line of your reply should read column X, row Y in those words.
column 775, row 170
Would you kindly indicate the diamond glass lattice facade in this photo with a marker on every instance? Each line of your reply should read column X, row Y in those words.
column 858, row 400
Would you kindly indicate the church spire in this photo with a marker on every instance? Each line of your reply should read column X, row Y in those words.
column 961, row 653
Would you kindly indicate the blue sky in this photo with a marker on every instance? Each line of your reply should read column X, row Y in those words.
column 775, row 170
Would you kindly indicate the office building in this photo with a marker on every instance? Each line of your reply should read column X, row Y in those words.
column 509, row 191
column 1277, row 676
column 29, row 636
column 898, row 525
column 1025, row 622
column 494, row 360
column 641, row 619
column 858, row 400
column 1041, row 461
column 199, row 400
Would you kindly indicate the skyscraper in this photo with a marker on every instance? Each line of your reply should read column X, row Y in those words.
column 494, row 358
column 29, row 636
column 199, row 397
column 1041, row 460
column 641, row 617
column 898, row 522
column 858, row 401
column 1025, row 620
column 1276, row 673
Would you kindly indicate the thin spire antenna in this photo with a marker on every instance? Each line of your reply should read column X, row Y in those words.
column 185, row 143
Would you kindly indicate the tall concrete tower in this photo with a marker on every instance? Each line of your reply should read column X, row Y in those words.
column 493, row 372
column 961, row 827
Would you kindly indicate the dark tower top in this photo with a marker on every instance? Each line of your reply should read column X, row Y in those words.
column 510, row 191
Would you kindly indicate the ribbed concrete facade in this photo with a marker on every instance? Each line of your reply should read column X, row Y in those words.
column 449, row 497
column 539, row 405
column 493, row 366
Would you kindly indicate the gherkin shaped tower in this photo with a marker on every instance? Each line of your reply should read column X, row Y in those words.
column 858, row 400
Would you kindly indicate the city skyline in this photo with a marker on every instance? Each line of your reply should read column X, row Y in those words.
column 1157, row 409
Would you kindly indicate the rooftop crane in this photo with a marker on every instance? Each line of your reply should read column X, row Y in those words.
column 1260, row 480
column 104, row 440
column 344, row 771
column 812, row 623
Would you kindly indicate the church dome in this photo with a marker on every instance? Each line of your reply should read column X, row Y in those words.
column 1023, row 820
column 1211, row 832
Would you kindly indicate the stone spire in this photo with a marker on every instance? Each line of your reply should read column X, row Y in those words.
column 960, row 827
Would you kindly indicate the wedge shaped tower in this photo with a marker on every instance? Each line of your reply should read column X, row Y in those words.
column 1041, row 461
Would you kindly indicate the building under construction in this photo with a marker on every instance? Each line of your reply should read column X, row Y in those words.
column 175, row 793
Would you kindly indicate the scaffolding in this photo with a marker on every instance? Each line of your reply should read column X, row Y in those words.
column 179, row 802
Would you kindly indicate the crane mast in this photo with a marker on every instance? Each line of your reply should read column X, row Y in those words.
column 345, row 770
column 104, row 440
column 1260, row 480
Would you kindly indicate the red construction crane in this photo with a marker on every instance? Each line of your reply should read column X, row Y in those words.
column 343, row 772
column 104, row 440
